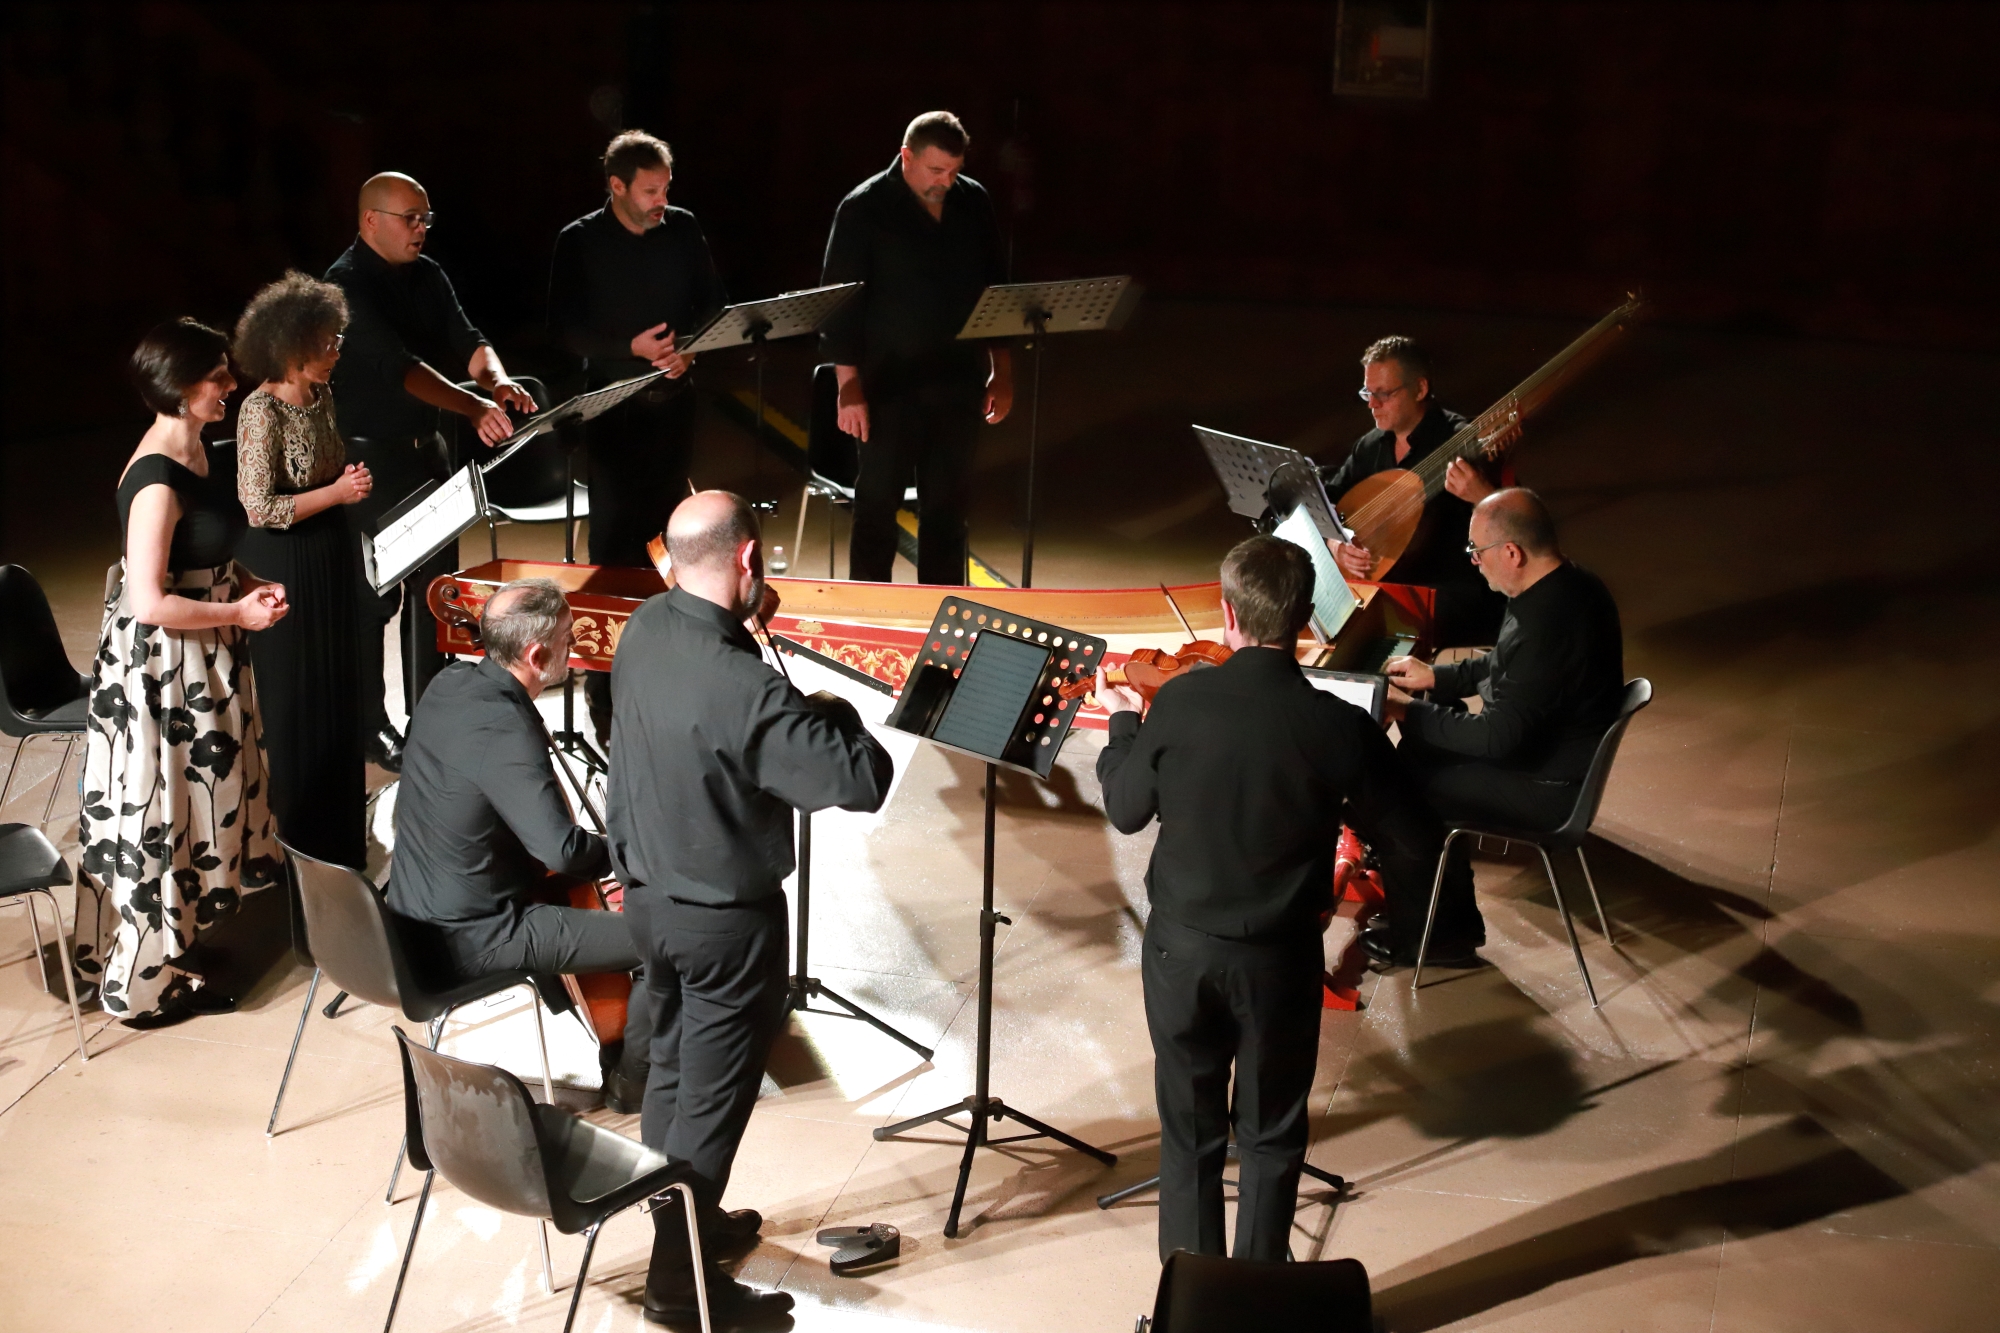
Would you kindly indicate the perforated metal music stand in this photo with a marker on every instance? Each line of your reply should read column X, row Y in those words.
column 1076, row 305
column 1248, row 470
column 960, row 629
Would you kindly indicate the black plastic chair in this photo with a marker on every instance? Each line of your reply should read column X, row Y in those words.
column 833, row 462
column 356, row 942
column 1201, row 1293
column 30, row 865
column 478, row 1127
column 1638, row 693
column 41, row 694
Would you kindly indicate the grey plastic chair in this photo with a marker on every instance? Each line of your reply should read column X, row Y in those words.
column 355, row 942
column 41, row 694
column 1202, row 1293
column 30, row 865
column 477, row 1127
column 1638, row 693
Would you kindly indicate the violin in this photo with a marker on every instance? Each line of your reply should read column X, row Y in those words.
column 1147, row 669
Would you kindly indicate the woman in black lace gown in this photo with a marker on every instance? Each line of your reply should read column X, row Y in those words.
column 175, row 828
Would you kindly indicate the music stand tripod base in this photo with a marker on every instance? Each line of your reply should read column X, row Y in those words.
column 973, row 690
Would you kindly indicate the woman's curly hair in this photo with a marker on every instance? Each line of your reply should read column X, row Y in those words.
column 286, row 325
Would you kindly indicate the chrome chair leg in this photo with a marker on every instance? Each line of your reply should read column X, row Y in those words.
column 576, row 1293
column 1603, row 922
column 13, row 768
column 396, row 1297
column 69, row 977
column 1430, row 918
column 688, row 1211
column 55, row 784
column 298, row 1034
column 35, row 929
column 1568, row 925
column 541, row 1040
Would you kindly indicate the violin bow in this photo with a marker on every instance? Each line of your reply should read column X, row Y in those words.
column 1192, row 636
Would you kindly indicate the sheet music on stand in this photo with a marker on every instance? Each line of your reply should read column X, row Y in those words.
column 1076, row 305
column 421, row 526
column 584, row 407
column 1247, row 469
column 1333, row 601
column 784, row 316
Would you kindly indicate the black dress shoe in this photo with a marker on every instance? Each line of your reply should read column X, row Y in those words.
column 727, row 1235
column 731, row 1304
column 385, row 749
column 624, row 1094
column 178, row 1005
column 1385, row 953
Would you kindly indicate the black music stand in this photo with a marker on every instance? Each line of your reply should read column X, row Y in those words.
column 1076, row 305
column 789, row 315
column 1010, row 714
column 805, row 987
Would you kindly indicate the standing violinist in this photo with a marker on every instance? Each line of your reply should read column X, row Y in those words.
column 1410, row 424
column 1251, row 773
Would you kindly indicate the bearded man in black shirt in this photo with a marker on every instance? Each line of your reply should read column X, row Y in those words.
column 1548, row 691
column 628, row 282
column 1409, row 425
column 923, row 237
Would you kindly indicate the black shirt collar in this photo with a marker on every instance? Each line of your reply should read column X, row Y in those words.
column 1263, row 660
column 1548, row 584
column 707, row 614
column 494, row 671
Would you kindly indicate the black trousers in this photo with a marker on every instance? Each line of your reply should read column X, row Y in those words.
column 928, row 434
column 1457, row 791
column 1212, row 1002
column 398, row 468
column 548, row 941
column 639, row 453
column 717, row 977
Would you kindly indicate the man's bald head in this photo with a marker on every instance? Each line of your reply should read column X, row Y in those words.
column 1518, row 515
column 393, row 192
column 395, row 216
column 707, row 529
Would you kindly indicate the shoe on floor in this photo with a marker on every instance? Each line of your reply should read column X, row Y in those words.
column 731, row 1304
column 385, row 749
column 1385, row 953
column 624, row 1094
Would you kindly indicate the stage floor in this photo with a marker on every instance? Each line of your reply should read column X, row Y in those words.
column 1783, row 1117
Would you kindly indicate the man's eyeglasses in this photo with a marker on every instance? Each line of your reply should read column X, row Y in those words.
column 333, row 343
column 412, row 220
column 1472, row 552
column 1381, row 395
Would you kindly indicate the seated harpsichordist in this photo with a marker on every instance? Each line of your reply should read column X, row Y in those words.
column 480, row 823
column 1548, row 691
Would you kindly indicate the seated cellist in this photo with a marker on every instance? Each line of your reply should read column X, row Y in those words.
column 481, row 823
column 1409, row 424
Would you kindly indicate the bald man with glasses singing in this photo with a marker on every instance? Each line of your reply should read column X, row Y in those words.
column 404, row 320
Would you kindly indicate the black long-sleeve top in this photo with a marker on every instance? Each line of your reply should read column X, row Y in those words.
column 1549, row 689
column 712, row 751
column 924, row 276
column 1249, row 770
column 1438, row 554
column 397, row 315
column 607, row 285
column 478, row 813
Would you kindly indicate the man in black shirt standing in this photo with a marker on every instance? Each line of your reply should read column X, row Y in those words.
column 1409, row 425
column 1549, row 690
column 627, row 281
column 1251, row 772
column 712, row 753
column 480, row 820
column 404, row 318
column 924, row 238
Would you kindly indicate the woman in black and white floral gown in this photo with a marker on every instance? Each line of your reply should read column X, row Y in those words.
column 176, row 825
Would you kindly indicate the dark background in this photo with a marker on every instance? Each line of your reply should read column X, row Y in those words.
column 1825, row 169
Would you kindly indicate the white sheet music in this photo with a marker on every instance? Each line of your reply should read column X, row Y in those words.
column 1333, row 600
column 423, row 531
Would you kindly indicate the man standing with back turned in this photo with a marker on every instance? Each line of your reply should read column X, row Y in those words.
column 924, row 239
column 404, row 318
column 712, row 752
column 1251, row 772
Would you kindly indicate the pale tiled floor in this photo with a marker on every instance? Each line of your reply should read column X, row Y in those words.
column 1783, row 1116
